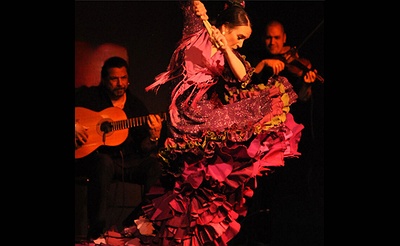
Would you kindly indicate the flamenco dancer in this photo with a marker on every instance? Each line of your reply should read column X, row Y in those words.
column 224, row 131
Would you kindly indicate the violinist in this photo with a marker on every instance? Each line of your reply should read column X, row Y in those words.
column 285, row 61
column 272, row 191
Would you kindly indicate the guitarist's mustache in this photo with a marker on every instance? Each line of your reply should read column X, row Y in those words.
column 124, row 88
column 121, row 88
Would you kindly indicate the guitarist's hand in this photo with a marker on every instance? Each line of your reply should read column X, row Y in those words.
column 81, row 135
column 154, row 122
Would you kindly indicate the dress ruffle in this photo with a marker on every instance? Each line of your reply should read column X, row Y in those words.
column 215, row 170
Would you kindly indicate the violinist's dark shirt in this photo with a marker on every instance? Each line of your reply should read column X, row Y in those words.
column 302, row 109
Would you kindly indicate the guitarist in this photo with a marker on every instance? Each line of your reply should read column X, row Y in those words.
column 132, row 161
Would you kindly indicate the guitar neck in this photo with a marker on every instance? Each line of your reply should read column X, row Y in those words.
column 108, row 127
column 133, row 122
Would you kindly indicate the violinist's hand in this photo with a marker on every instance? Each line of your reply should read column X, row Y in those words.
column 155, row 124
column 81, row 135
column 310, row 76
column 276, row 65
column 200, row 9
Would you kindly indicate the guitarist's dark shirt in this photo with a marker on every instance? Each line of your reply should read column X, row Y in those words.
column 96, row 99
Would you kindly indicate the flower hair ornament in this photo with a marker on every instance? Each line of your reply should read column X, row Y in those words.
column 238, row 3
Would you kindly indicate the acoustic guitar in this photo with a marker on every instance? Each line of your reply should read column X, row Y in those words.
column 108, row 127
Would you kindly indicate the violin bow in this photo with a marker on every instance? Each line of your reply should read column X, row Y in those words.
column 309, row 35
column 321, row 79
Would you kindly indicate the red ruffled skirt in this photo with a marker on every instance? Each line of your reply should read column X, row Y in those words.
column 213, row 173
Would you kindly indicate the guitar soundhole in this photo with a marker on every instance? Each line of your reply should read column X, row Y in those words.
column 104, row 127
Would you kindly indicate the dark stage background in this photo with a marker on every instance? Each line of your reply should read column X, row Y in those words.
column 291, row 211
column 150, row 30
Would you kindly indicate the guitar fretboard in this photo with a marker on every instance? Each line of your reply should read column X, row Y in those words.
column 133, row 122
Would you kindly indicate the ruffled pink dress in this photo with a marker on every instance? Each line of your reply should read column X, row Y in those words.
column 223, row 134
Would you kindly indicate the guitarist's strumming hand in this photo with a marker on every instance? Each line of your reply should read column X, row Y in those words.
column 81, row 135
column 154, row 122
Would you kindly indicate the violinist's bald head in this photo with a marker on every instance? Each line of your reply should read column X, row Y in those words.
column 275, row 24
column 275, row 37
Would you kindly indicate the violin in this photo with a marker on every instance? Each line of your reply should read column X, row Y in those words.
column 296, row 65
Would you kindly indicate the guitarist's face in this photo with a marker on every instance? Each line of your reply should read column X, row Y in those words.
column 117, row 81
